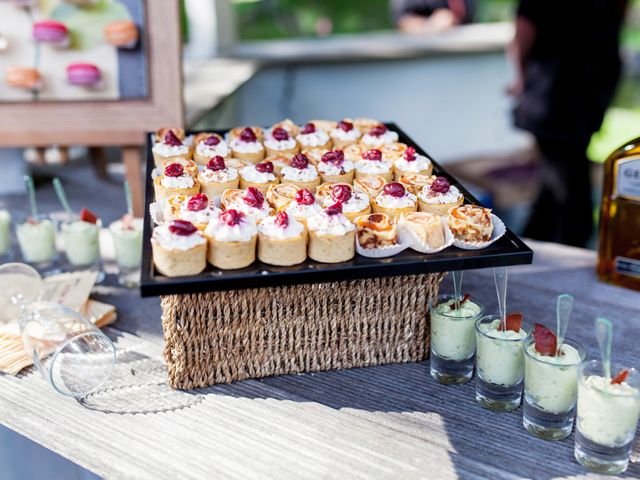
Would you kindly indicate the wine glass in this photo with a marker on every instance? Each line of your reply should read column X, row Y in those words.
column 69, row 351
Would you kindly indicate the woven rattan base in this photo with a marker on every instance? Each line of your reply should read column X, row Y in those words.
column 222, row 337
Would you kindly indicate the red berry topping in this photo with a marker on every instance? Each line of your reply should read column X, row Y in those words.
column 378, row 130
column 334, row 157
column 394, row 189
column 410, row 154
column 373, row 154
column 248, row 135
column 305, row 197
column 171, row 139
column 174, row 170
column 514, row 322
column 253, row 197
column 308, row 128
column 334, row 209
column 282, row 220
column 231, row 217
column 212, row 141
column 299, row 161
column 464, row 298
column 440, row 185
column 182, row 228
column 88, row 216
column 264, row 167
column 345, row 126
column 280, row 134
column 620, row 377
column 216, row 164
column 545, row 340
column 198, row 202
column 341, row 193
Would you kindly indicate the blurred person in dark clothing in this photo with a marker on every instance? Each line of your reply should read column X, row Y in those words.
column 428, row 16
column 567, row 67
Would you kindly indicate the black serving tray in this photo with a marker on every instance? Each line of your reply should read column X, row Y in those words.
column 508, row 250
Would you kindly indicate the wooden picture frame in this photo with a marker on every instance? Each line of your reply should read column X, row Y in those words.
column 121, row 123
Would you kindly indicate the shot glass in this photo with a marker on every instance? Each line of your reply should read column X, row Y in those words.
column 550, row 390
column 453, row 339
column 127, row 240
column 81, row 242
column 499, row 364
column 606, row 419
column 37, row 241
column 5, row 234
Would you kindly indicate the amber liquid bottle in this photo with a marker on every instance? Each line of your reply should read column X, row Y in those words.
column 619, row 239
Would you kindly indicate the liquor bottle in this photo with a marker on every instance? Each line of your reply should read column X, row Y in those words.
column 619, row 239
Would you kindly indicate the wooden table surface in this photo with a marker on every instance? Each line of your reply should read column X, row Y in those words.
column 390, row 421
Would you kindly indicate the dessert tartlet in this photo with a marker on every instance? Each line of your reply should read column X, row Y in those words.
column 237, row 132
column 231, row 236
column 178, row 248
column 247, row 146
column 197, row 209
column 282, row 241
column 378, row 136
column 300, row 173
column 281, row 195
column 439, row 197
column 209, row 146
column 169, row 148
column 411, row 162
column 331, row 236
column 353, row 203
column 312, row 137
column 175, row 181
column 251, row 202
column 333, row 167
column 218, row 177
column 471, row 223
column 159, row 135
column 303, row 206
column 375, row 231
column 190, row 167
column 394, row 200
column 280, row 142
column 291, row 128
column 372, row 164
column 344, row 134
column 260, row 175
column 425, row 229
column 372, row 186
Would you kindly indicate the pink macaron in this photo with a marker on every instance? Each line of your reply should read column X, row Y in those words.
column 84, row 75
column 50, row 31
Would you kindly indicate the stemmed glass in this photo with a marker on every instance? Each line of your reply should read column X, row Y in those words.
column 69, row 351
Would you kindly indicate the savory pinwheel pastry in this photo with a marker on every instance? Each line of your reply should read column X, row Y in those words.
column 425, row 229
column 471, row 223
column 281, row 195
column 376, row 230
column 372, row 186
column 414, row 182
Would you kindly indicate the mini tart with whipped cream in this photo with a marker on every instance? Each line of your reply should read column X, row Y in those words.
column 353, row 203
column 209, row 145
column 394, row 200
column 372, row 186
column 414, row 182
column 303, row 206
column 197, row 209
column 376, row 230
column 178, row 249
column 331, row 236
column 169, row 148
column 260, row 175
column 344, row 134
column 288, row 124
column 393, row 151
column 280, row 142
column 281, row 195
column 424, row 227
column 300, row 173
column 175, row 181
column 237, row 132
column 218, row 177
column 232, row 237
column 471, row 223
column 439, row 197
column 282, row 241
column 178, row 132
column 333, row 167
column 411, row 162
column 251, row 202
column 371, row 164
column 312, row 137
column 247, row 146
column 190, row 167
column 378, row 136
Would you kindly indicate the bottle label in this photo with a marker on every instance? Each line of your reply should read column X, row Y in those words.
column 627, row 266
column 628, row 178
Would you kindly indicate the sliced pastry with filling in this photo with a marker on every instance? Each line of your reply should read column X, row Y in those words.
column 281, row 142
column 414, row 182
column 314, row 154
column 178, row 248
column 325, row 125
column 439, row 197
column 471, row 223
column 210, row 145
column 425, row 229
column 378, row 136
column 175, row 181
column 334, row 167
column 281, row 195
column 312, row 137
column 411, row 162
column 300, row 173
column 372, row 186
column 218, row 177
column 393, row 151
column 344, row 134
column 197, row 209
column 372, row 164
column 375, row 231
column 251, row 202
column 394, row 200
column 232, row 237
column 353, row 203
column 365, row 124
column 260, row 175
column 247, row 146
column 169, row 147
column 331, row 236
column 354, row 152
column 282, row 241
column 303, row 206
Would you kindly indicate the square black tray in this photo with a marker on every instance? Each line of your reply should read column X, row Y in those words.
column 508, row 250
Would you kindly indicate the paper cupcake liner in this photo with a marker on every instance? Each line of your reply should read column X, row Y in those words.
column 382, row 252
column 498, row 231
column 155, row 173
column 418, row 245
column 156, row 211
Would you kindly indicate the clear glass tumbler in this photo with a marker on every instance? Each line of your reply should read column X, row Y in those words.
column 81, row 242
column 5, row 234
column 37, row 241
column 127, row 240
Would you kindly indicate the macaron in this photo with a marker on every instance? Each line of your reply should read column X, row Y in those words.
column 23, row 77
column 84, row 75
column 122, row 33
column 50, row 31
